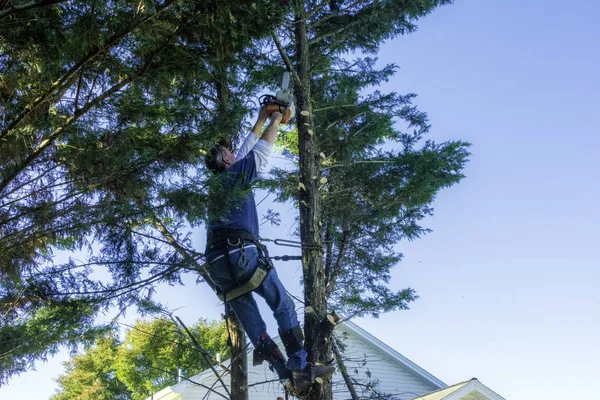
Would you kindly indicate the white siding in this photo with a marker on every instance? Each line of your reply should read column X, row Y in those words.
column 362, row 358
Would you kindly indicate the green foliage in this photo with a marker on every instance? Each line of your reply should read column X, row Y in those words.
column 108, row 107
column 37, row 331
column 378, row 175
column 92, row 375
column 147, row 360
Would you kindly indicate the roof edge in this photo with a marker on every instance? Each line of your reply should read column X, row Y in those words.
column 474, row 384
column 395, row 355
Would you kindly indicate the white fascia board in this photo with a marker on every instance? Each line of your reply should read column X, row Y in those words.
column 477, row 386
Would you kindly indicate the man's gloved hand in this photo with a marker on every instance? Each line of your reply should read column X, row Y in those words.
column 263, row 114
column 276, row 117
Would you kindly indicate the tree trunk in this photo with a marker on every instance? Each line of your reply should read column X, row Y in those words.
column 239, row 359
column 318, row 343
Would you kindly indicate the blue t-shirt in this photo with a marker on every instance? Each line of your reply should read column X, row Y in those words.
column 243, row 214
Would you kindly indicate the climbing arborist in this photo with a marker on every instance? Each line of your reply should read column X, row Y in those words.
column 239, row 264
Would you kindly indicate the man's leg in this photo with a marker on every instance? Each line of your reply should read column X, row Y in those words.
column 303, row 373
column 265, row 348
column 246, row 309
column 284, row 311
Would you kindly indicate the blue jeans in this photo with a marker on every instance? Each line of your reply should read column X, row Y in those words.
column 244, row 264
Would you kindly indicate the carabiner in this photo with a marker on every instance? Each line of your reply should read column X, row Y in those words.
column 239, row 242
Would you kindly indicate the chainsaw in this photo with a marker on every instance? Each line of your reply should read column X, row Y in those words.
column 281, row 102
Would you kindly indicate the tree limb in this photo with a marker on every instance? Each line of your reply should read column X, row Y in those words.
column 59, row 131
column 315, row 10
column 344, row 372
column 338, row 263
column 93, row 53
column 286, row 60
column 27, row 6
column 128, row 287
column 317, row 39
column 195, row 343
column 336, row 14
column 316, row 110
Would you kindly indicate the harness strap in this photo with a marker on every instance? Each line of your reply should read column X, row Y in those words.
column 230, row 267
column 252, row 284
column 224, row 239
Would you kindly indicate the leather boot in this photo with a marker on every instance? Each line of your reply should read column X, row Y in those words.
column 304, row 378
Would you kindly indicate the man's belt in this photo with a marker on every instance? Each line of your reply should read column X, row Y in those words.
column 222, row 238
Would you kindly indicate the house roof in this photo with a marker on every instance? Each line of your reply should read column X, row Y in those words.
column 467, row 390
column 392, row 354
column 173, row 392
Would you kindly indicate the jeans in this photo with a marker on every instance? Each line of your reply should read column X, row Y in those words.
column 243, row 264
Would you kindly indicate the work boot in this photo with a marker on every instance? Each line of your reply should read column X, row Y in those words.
column 304, row 378
column 267, row 350
column 292, row 340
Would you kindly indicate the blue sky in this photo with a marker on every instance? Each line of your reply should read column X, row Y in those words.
column 508, row 278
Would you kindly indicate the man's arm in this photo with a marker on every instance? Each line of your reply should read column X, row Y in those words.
column 262, row 150
column 270, row 133
column 253, row 136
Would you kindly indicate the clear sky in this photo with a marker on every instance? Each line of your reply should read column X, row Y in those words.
column 509, row 278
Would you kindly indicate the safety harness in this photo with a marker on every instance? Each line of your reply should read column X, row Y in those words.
column 227, row 239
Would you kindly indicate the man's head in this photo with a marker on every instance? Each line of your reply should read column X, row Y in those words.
column 219, row 158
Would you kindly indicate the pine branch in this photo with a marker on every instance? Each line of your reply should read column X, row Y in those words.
column 29, row 182
column 76, row 106
column 183, row 251
column 343, row 371
column 336, row 14
column 315, row 10
column 333, row 47
column 116, row 290
column 92, row 54
column 59, row 131
column 27, row 6
column 319, row 38
column 102, row 263
column 338, row 263
column 286, row 60
column 32, row 232
column 316, row 110
column 360, row 162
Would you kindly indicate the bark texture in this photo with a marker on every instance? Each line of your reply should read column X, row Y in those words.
column 318, row 335
column 239, row 359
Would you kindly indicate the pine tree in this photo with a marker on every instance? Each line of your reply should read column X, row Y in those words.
column 107, row 107
column 362, row 184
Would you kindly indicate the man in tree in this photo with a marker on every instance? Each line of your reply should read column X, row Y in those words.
column 239, row 264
